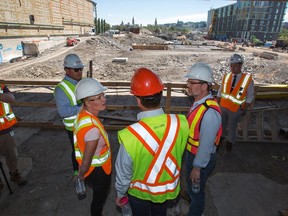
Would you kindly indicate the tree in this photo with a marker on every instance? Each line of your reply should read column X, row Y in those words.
column 283, row 34
column 155, row 23
column 133, row 21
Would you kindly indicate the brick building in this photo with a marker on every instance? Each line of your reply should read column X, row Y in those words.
column 22, row 18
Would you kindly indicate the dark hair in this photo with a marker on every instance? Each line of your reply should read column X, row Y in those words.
column 151, row 101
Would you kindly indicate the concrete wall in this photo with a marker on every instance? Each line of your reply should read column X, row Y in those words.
column 13, row 48
column 42, row 17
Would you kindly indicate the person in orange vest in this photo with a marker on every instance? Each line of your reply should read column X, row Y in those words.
column 92, row 147
column 7, row 141
column 204, row 118
column 149, row 159
column 235, row 96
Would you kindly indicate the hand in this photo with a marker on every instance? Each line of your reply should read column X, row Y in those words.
column 195, row 175
column 118, row 202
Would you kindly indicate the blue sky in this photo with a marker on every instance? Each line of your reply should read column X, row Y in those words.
column 166, row 11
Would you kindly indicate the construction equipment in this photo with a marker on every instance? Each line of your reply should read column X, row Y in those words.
column 71, row 41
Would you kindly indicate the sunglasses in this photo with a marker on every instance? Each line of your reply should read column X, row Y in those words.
column 77, row 69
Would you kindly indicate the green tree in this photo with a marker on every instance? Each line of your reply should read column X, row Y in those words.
column 283, row 35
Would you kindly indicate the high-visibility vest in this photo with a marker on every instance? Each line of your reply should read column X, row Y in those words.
column 69, row 89
column 237, row 97
column 194, row 120
column 83, row 123
column 7, row 117
column 155, row 146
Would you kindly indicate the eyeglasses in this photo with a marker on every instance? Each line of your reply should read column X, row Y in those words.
column 98, row 97
column 194, row 83
column 77, row 69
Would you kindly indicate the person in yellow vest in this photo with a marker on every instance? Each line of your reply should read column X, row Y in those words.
column 235, row 96
column 204, row 118
column 149, row 159
column 92, row 147
column 67, row 104
column 8, row 147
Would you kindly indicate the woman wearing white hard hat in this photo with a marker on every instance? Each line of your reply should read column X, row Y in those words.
column 91, row 142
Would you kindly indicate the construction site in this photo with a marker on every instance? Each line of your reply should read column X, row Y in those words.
column 252, row 181
column 35, row 38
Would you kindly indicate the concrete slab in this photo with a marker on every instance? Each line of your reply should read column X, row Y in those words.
column 247, row 194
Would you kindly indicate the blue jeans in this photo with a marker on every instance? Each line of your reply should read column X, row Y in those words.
column 147, row 208
column 198, row 199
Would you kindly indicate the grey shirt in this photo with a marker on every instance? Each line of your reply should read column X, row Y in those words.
column 124, row 164
column 210, row 125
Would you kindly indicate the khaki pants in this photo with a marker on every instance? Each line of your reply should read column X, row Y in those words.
column 8, row 149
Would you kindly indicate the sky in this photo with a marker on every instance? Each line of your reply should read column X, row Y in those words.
column 166, row 11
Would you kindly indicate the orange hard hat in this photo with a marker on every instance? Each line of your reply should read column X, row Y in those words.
column 145, row 82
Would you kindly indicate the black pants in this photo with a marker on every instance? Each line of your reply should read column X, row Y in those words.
column 73, row 157
column 147, row 208
column 100, row 183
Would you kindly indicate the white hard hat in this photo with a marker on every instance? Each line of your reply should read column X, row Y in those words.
column 200, row 71
column 88, row 87
column 73, row 61
column 235, row 59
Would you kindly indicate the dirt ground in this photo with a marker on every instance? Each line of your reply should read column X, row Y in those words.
column 44, row 155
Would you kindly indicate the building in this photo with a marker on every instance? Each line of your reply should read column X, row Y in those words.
column 243, row 19
column 22, row 18
column 43, row 23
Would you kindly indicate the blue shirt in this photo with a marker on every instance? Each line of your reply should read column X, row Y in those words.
column 63, row 103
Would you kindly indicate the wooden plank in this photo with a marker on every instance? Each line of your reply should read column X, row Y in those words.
column 245, row 123
column 168, row 98
column 259, row 125
column 274, row 126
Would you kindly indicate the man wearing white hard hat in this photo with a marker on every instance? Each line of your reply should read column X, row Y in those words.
column 235, row 96
column 204, row 118
column 92, row 147
column 67, row 105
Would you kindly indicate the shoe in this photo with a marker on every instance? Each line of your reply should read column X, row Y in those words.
column 229, row 146
column 17, row 178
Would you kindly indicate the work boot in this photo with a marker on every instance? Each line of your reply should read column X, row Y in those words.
column 17, row 178
column 228, row 146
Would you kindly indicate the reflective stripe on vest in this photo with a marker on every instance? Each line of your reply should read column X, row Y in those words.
column 83, row 123
column 237, row 97
column 68, row 89
column 162, row 158
column 194, row 120
column 7, row 117
column 96, row 161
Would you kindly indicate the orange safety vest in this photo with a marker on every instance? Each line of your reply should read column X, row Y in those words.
column 7, row 117
column 194, row 120
column 232, row 101
column 83, row 123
